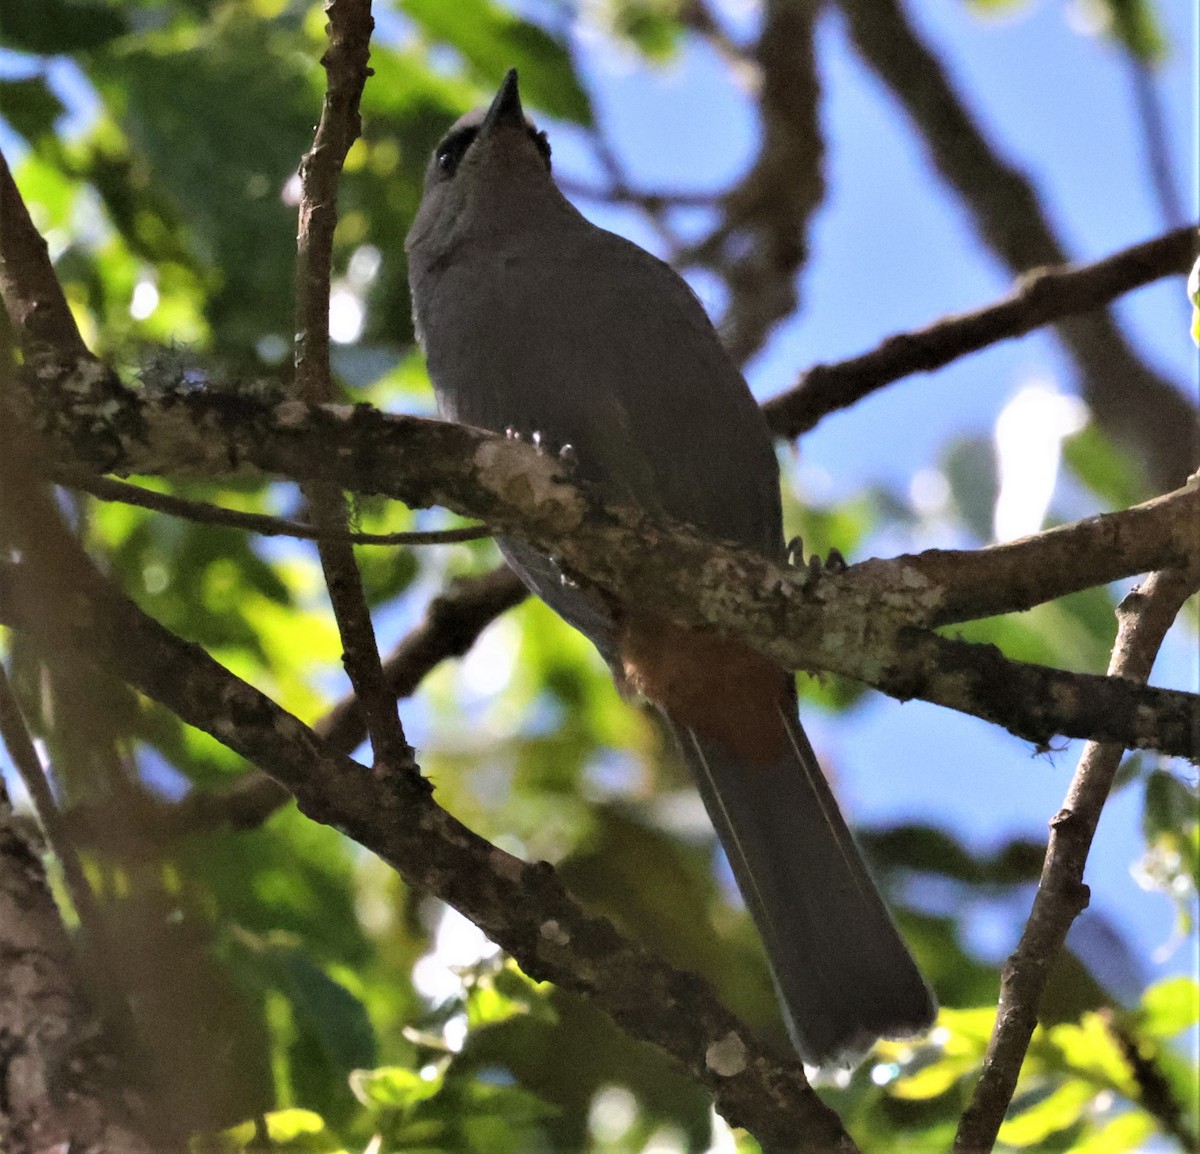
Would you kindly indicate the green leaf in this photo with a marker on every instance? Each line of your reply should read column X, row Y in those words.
column 30, row 107
column 1088, row 1048
column 934, row 1079
column 1075, row 631
column 51, row 196
column 1135, row 25
column 496, row 997
column 335, row 1018
column 1072, row 989
column 661, row 891
column 1126, row 1131
column 49, row 27
column 1110, row 472
column 395, row 1087
column 934, row 1069
column 300, row 1130
column 321, row 1030
column 493, row 40
column 1169, row 1007
column 960, row 978
column 930, row 850
column 297, row 1131
column 497, row 1119
column 1171, row 804
column 1171, row 824
column 1061, row 1108
column 652, row 25
column 206, row 130
column 1182, row 1077
column 970, row 467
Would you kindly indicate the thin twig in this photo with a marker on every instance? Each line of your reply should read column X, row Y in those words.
column 1041, row 297
column 696, row 15
column 1146, row 97
column 653, row 211
column 619, row 191
column 1155, row 1094
column 107, row 489
column 453, row 621
column 1154, row 135
column 345, row 61
column 1144, row 618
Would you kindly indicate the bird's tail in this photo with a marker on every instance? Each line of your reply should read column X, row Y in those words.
column 843, row 973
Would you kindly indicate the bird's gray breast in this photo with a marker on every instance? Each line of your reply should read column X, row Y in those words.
column 587, row 340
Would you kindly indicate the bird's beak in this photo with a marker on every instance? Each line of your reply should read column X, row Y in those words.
column 506, row 106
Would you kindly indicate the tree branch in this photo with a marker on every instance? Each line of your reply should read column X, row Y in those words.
column 390, row 811
column 55, row 1078
column 106, row 489
column 31, row 292
column 345, row 61
column 1041, row 297
column 346, row 69
column 1017, row 575
column 859, row 625
column 1144, row 618
column 57, row 1084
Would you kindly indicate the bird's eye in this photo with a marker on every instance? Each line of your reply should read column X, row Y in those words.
column 543, row 144
column 451, row 151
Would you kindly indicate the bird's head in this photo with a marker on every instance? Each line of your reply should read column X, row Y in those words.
column 492, row 166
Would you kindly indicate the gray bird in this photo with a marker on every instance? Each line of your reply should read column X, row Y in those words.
column 534, row 320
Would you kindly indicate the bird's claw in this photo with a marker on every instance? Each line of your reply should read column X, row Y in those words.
column 565, row 453
column 833, row 563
